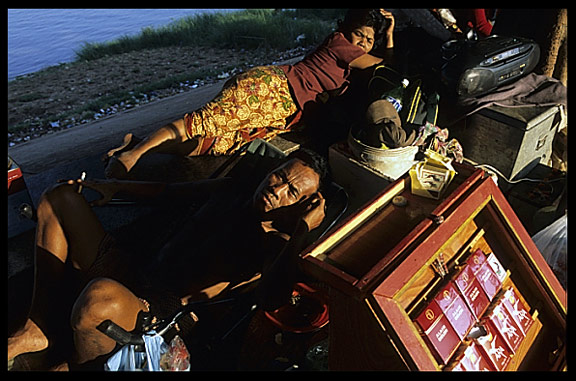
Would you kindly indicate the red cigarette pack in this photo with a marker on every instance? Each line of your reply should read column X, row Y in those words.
column 455, row 309
column 488, row 280
column 476, row 260
column 472, row 292
column 517, row 309
column 441, row 337
column 494, row 347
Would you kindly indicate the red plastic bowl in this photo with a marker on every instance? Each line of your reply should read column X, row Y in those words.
column 308, row 312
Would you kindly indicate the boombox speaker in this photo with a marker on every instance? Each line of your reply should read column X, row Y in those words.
column 474, row 68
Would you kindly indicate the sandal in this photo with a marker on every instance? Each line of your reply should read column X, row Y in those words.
column 115, row 169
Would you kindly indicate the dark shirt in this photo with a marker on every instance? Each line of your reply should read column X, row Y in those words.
column 222, row 241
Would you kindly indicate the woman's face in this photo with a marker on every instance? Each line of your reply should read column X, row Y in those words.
column 363, row 37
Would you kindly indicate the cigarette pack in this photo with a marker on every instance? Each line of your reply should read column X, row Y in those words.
column 473, row 359
column 494, row 347
column 438, row 332
column 506, row 326
column 430, row 177
column 476, row 260
column 488, row 280
column 496, row 267
column 455, row 309
column 472, row 292
column 518, row 310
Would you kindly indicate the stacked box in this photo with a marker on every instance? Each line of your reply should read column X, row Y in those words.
column 517, row 310
column 438, row 332
column 472, row 291
column 494, row 347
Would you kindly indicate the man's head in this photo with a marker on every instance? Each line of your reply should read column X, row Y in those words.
column 294, row 181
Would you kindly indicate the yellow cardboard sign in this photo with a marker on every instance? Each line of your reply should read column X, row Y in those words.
column 431, row 177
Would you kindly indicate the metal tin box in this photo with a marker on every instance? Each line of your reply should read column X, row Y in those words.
column 511, row 139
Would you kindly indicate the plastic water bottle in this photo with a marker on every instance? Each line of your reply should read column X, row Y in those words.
column 396, row 95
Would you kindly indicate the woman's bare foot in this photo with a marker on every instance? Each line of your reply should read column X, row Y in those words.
column 120, row 160
column 28, row 339
column 128, row 138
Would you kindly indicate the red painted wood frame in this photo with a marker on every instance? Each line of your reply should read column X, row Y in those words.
column 381, row 284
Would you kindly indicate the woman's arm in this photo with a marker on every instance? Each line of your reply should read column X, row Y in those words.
column 365, row 61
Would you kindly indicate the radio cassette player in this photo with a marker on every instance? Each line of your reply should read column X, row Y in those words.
column 474, row 68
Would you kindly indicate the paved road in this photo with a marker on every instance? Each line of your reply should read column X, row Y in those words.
column 63, row 147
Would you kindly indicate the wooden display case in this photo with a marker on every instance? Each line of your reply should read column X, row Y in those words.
column 382, row 268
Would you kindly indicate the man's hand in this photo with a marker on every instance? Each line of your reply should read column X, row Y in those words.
column 106, row 188
column 314, row 211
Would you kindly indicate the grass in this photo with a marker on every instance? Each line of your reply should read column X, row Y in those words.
column 247, row 29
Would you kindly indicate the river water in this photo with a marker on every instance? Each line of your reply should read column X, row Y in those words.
column 38, row 38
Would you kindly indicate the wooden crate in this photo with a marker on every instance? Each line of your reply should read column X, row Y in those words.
column 379, row 266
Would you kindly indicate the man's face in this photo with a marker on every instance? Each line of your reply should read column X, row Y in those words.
column 363, row 37
column 287, row 185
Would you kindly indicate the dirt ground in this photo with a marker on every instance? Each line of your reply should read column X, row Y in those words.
column 58, row 98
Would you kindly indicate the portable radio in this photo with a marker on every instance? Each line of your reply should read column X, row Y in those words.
column 474, row 68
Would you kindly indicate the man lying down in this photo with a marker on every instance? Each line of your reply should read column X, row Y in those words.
column 83, row 278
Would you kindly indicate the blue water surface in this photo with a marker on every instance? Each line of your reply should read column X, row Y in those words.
column 38, row 38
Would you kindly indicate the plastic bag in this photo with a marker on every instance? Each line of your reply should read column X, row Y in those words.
column 127, row 359
column 552, row 242
column 176, row 358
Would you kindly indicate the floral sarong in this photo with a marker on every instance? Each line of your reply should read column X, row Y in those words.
column 253, row 104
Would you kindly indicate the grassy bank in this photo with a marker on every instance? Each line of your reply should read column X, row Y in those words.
column 247, row 29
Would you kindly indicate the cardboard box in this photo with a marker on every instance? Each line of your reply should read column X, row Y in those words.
column 455, row 309
column 494, row 347
column 438, row 332
column 518, row 310
column 472, row 292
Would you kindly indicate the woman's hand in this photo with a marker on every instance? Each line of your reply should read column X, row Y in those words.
column 390, row 30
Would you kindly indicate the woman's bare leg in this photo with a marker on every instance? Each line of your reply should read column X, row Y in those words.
column 171, row 138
